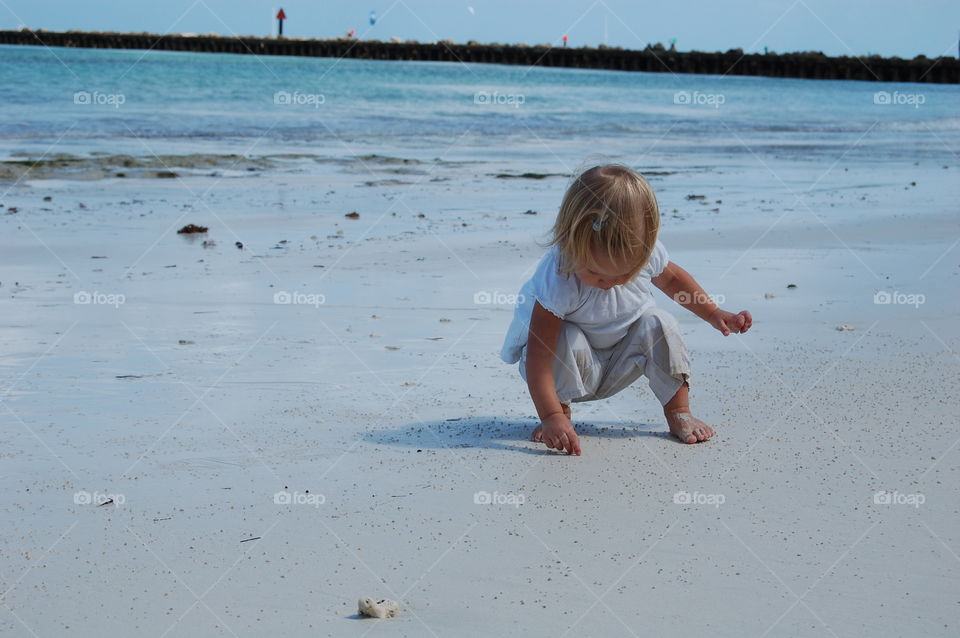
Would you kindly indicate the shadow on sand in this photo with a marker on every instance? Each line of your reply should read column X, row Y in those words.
column 498, row 433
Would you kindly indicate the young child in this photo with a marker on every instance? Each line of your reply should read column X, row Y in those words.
column 586, row 325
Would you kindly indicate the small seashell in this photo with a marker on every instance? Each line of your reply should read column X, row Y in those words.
column 383, row 608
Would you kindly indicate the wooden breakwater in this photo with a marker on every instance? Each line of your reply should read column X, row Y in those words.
column 813, row 65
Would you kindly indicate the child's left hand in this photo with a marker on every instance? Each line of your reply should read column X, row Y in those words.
column 727, row 322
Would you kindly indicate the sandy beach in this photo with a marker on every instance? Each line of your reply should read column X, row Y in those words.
column 322, row 414
column 244, row 431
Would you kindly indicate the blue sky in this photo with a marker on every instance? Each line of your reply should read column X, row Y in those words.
column 836, row 27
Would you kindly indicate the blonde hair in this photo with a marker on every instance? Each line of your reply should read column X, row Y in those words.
column 610, row 209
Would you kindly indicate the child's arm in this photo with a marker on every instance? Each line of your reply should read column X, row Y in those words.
column 679, row 285
column 557, row 431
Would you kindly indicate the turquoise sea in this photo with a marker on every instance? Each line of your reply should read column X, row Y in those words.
column 137, row 102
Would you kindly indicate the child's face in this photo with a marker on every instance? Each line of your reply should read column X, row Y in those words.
column 606, row 273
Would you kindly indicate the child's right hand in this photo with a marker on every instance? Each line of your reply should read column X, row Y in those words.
column 557, row 432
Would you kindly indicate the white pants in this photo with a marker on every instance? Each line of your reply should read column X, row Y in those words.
column 653, row 347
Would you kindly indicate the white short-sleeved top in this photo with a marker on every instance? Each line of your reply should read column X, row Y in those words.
column 603, row 315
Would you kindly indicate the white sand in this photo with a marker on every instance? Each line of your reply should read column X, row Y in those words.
column 381, row 455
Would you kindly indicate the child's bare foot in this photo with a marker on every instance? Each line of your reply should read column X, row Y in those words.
column 687, row 427
column 537, row 434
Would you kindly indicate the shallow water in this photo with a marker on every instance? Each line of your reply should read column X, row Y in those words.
column 80, row 101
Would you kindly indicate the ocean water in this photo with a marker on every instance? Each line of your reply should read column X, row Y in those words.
column 82, row 101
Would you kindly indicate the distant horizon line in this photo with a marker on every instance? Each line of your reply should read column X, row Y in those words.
column 658, row 47
column 809, row 65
